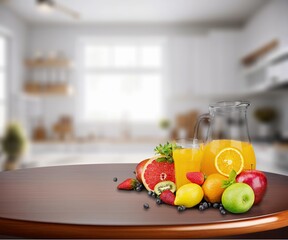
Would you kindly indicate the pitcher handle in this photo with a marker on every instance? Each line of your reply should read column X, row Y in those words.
column 205, row 116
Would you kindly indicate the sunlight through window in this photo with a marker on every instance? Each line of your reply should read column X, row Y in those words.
column 123, row 80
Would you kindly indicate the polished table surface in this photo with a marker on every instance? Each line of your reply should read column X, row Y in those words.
column 82, row 201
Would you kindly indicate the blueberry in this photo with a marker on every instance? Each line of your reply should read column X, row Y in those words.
column 221, row 208
column 223, row 212
column 215, row 205
column 146, row 205
column 138, row 189
column 201, row 208
column 205, row 205
column 150, row 193
column 181, row 208
column 209, row 204
column 154, row 195
column 158, row 201
column 139, row 184
column 115, row 179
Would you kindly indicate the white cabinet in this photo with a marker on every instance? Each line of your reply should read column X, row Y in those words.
column 271, row 158
column 71, row 153
column 267, row 24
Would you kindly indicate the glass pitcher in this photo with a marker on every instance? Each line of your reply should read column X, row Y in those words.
column 227, row 144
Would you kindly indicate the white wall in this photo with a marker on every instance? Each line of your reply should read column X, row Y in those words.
column 180, row 78
column 268, row 23
column 15, row 30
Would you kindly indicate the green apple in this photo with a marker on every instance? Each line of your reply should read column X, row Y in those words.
column 238, row 198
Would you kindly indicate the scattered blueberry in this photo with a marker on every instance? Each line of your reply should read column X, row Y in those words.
column 181, row 208
column 146, row 205
column 139, row 184
column 150, row 193
column 223, row 212
column 158, row 201
column 201, row 208
column 154, row 195
column 221, row 208
column 209, row 204
column 138, row 189
column 205, row 205
column 215, row 205
column 115, row 179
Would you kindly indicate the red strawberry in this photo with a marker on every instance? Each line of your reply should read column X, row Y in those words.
column 196, row 177
column 128, row 184
column 167, row 197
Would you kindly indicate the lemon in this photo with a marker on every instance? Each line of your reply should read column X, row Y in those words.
column 189, row 195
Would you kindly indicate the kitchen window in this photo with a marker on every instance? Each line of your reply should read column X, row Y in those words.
column 3, row 73
column 123, row 80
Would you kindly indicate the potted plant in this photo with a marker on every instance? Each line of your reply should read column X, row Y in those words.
column 164, row 125
column 13, row 145
column 265, row 116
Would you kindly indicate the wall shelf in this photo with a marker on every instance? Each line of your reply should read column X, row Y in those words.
column 48, row 90
column 48, row 77
column 48, row 63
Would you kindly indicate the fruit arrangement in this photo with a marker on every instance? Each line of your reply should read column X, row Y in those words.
column 235, row 193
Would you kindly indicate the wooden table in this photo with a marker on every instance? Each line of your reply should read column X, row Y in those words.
column 83, row 202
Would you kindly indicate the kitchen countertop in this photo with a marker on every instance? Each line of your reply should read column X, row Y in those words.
column 271, row 157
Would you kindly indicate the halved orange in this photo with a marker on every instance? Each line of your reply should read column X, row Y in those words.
column 227, row 160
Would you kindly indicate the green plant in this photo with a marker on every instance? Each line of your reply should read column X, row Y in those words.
column 14, row 141
column 265, row 114
column 164, row 123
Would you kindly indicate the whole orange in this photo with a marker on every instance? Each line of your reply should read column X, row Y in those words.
column 212, row 187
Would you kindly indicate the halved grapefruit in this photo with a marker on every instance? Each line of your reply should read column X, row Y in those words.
column 139, row 170
column 155, row 172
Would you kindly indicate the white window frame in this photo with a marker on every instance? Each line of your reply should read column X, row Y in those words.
column 111, row 40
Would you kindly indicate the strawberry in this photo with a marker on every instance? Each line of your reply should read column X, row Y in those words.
column 167, row 197
column 196, row 177
column 128, row 184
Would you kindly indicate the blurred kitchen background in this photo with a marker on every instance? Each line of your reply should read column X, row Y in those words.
column 105, row 81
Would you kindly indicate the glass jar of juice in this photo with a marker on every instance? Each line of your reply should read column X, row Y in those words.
column 227, row 146
column 187, row 158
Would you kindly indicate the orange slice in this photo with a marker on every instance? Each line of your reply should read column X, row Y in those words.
column 227, row 160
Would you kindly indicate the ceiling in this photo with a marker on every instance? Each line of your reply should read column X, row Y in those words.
column 142, row 11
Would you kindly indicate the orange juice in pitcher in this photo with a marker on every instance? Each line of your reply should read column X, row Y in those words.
column 225, row 155
column 228, row 145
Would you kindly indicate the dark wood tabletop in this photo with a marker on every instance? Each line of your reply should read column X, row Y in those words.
column 82, row 201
